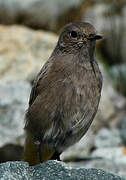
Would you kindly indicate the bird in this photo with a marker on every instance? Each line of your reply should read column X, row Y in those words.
column 65, row 95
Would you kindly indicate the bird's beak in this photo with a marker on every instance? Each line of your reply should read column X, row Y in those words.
column 97, row 37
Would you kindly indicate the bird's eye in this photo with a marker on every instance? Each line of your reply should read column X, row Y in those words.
column 73, row 34
column 91, row 36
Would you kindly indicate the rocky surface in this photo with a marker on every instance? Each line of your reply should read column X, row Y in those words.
column 40, row 13
column 52, row 170
column 13, row 104
column 23, row 52
column 101, row 163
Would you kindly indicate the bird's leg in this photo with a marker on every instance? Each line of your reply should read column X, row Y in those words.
column 56, row 156
column 38, row 144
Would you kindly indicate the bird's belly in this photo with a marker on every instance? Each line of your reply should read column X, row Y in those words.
column 77, row 132
column 86, row 108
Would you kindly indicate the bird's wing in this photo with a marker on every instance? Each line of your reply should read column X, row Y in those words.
column 34, row 90
column 46, row 96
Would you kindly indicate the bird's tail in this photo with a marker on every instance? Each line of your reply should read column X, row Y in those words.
column 31, row 152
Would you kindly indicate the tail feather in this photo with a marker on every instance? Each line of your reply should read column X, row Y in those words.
column 31, row 152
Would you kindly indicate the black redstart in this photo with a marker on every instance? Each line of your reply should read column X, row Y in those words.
column 65, row 95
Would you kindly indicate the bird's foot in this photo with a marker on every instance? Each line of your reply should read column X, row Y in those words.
column 38, row 144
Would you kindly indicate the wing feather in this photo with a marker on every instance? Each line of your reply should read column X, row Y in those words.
column 34, row 91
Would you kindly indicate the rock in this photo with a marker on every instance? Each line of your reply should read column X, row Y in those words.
column 105, row 164
column 13, row 104
column 108, row 138
column 81, row 149
column 23, row 52
column 40, row 13
column 52, row 170
column 108, row 165
column 118, row 75
column 123, row 130
column 115, row 154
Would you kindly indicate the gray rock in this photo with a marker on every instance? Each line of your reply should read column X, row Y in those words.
column 108, row 138
column 118, row 75
column 116, row 154
column 51, row 170
column 123, row 130
column 108, row 165
column 40, row 13
column 105, row 164
column 13, row 104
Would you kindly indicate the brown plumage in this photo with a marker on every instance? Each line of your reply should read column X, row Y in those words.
column 65, row 95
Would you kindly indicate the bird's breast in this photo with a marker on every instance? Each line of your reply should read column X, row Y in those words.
column 85, row 90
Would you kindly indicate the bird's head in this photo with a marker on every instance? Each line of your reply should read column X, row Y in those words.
column 76, row 36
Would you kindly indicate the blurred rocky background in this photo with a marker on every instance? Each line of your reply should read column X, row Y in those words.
column 28, row 33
